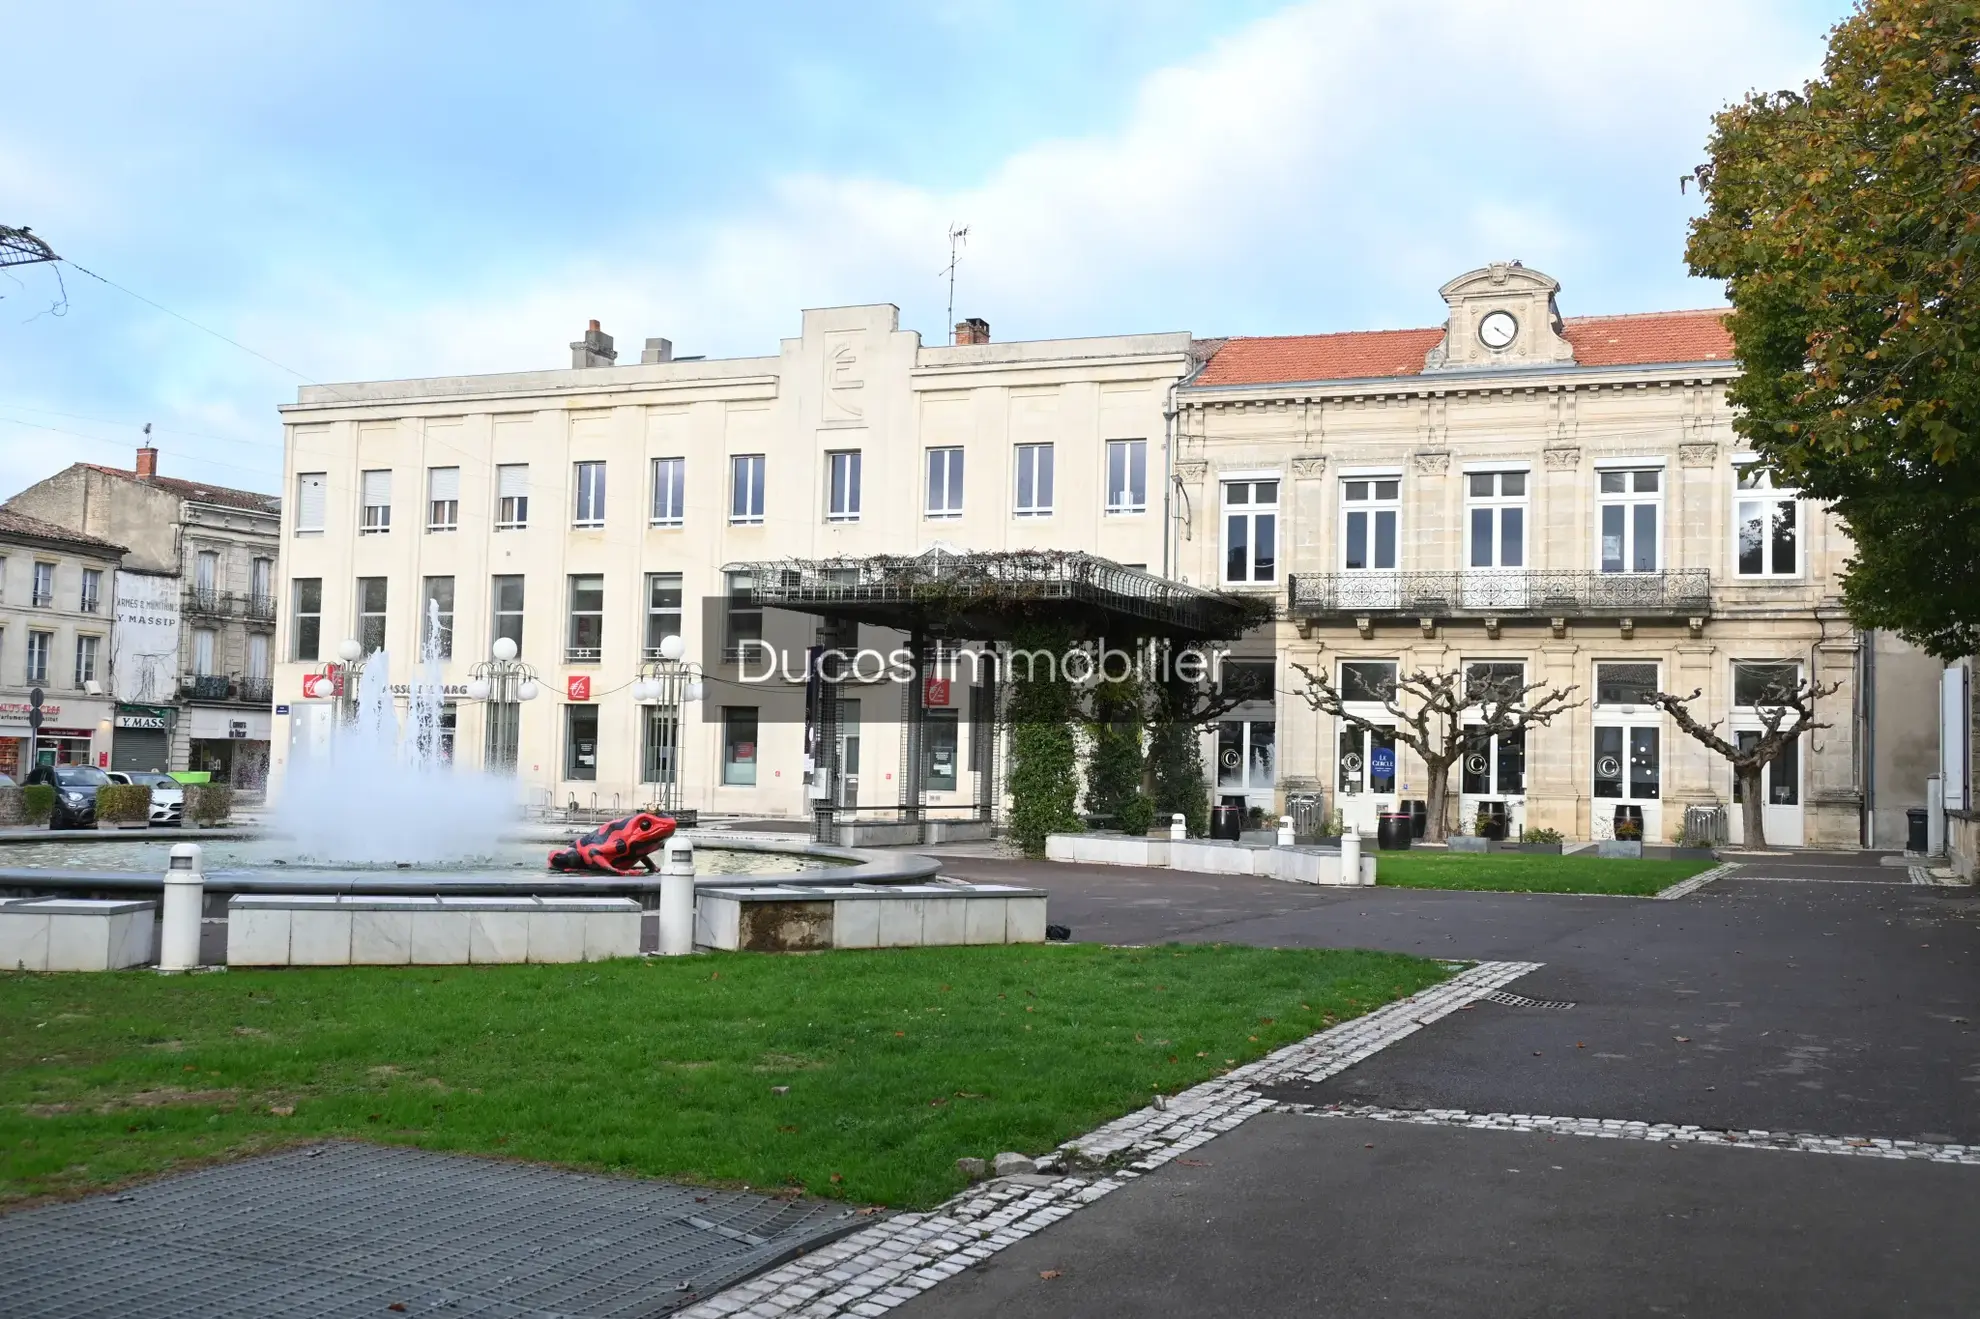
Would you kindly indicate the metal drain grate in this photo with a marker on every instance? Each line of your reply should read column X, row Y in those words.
column 347, row 1230
column 1506, row 998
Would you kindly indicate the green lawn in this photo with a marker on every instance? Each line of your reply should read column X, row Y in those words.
column 896, row 1063
column 1516, row 872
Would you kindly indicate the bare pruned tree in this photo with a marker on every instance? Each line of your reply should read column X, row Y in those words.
column 1785, row 713
column 1445, row 713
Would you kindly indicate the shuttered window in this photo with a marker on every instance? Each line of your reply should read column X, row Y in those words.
column 443, row 498
column 376, row 492
column 310, row 498
column 511, row 496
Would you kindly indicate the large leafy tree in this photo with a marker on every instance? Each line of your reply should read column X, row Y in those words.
column 1845, row 219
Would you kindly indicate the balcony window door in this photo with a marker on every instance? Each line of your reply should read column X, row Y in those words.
column 1629, row 507
column 842, row 470
column 663, row 611
column 1371, row 527
column 669, row 492
column 506, row 601
column 1495, row 540
column 205, row 641
column 43, row 590
column 945, row 483
column 371, row 594
column 589, row 511
column 436, row 618
column 746, row 490
column 206, row 577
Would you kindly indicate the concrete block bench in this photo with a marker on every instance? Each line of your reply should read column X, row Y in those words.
column 1107, row 849
column 1210, row 856
column 266, row 929
column 775, row 918
column 75, row 934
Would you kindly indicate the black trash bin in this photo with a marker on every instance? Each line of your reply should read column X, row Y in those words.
column 1492, row 820
column 1419, row 816
column 1629, row 821
column 1226, row 822
column 1392, row 831
column 1917, row 832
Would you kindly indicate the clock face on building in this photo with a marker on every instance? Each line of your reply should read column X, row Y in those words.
column 1497, row 329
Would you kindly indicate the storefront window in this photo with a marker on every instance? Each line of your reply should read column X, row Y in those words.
column 581, row 742
column 739, row 746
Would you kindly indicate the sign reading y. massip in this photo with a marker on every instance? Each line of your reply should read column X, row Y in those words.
column 144, row 645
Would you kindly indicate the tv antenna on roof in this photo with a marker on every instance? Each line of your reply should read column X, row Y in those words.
column 958, row 235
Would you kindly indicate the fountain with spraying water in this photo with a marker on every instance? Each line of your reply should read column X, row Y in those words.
column 387, row 794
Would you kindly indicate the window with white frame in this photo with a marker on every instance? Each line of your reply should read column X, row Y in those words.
column 505, row 595
column 746, row 490
column 1371, row 515
column 372, row 594
column 945, row 483
column 39, row 644
column 1127, row 476
column 312, row 492
column 1495, row 519
column 585, row 643
column 590, row 508
column 375, row 502
column 86, row 647
column 92, row 590
column 511, row 496
column 1034, row 481
column 436, row 617
column 669, row 492
column 206, row 644
column 43, row 590
column 663, row 610
column 1251, row 531
column 206, row 576
column 306, row 618
column 842, row 486
column 1765, row 525
column 443, row 498
column 1629, row 515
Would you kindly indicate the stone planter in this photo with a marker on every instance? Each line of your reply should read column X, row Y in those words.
column 1473, row 843
column 1108, row 849
column 1628, row 848
column 1534, row 849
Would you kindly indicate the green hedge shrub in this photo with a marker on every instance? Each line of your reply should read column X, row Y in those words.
column 37, row 803
column 208, row 803
column 123, row 803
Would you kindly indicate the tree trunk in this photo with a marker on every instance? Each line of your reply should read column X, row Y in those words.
column 1437, row 787
column 1752, row 807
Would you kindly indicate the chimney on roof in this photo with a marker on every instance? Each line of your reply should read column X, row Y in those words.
column 658, row 350
column 973, row 330
column 147, row 457
column 595, row 349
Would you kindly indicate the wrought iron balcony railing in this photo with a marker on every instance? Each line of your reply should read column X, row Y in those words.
column 206, row 686
column 1501, row 592
column 254, row 691
column 261, row 608
column 209, row 600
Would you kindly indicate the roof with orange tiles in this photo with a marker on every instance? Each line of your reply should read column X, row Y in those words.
column 198, row 492
column 1643, row 339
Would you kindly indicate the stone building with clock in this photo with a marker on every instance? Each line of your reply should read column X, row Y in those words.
column 1562, row 498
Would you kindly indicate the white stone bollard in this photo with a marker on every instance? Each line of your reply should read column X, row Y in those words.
column 677, row 898
column 1178, row 828
column 1285, row 831
column 1351, row 856
column 185, row 896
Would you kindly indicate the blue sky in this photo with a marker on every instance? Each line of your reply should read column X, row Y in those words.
column 362, row 190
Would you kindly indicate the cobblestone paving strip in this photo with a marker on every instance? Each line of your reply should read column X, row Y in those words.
column 901, row 1256
column 1685, row 887
column 1874, row 1147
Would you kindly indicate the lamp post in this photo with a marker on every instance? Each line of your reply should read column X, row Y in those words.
column 504, row 682
column 668, row 683
column 353, row 657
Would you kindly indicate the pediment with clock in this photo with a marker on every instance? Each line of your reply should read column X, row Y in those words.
column 1501, row 315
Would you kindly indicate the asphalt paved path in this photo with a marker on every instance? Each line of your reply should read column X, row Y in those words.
column 1809, row 993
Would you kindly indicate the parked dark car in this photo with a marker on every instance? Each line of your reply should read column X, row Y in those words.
column 75, row 793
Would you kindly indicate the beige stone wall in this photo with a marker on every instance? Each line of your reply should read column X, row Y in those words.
column 1561, row 427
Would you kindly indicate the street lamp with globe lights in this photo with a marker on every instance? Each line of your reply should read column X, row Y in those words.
column 667, row 683
column 503, row 682
column 351, row 653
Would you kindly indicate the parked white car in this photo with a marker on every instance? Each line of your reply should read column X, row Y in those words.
column 168, row 795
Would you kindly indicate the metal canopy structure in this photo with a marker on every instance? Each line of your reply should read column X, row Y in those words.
column 946, row 596
column 19, row 247
column 990, row 596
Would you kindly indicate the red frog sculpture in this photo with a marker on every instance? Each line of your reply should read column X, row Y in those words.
column 616, row 846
